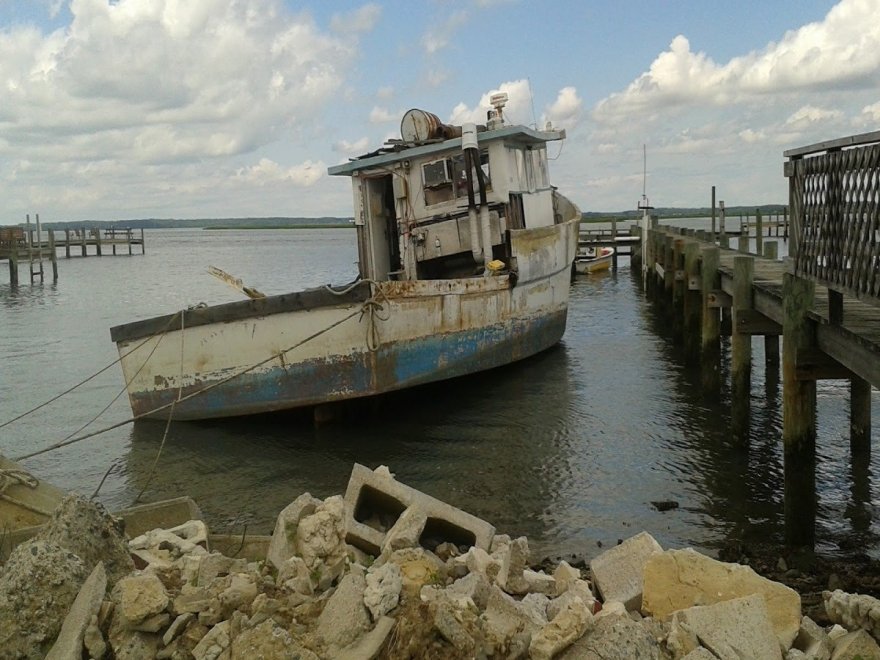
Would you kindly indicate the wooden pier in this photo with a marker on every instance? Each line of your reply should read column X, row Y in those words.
column 627, row 240
column 823, row 301
column 20, row 245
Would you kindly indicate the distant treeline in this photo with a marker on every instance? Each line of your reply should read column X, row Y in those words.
column 671, row 212
column 308, row 223
column 190, row 223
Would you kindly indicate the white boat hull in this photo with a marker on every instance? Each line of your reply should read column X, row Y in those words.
column 288, row 351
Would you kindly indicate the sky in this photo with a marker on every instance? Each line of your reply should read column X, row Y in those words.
column 124, row 109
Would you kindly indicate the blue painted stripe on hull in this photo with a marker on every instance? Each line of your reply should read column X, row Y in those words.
column 392, row 367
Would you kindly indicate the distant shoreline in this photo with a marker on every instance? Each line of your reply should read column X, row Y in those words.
column 346, row 225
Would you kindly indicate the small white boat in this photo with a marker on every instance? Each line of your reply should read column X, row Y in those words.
column 593, row 260
column 465, row 251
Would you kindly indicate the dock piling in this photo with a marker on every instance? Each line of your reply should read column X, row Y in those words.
column 798, row 414
column 741, row 344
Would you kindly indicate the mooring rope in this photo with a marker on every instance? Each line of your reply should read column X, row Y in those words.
column 371, row 308
column 170, row 415
column 86, row 380
column 372, row 302
column 15, row 477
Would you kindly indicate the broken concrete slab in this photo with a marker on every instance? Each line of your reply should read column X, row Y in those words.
column 370, row 645
column 567, row 626
column 813, row 641
column 383, row 589
column 69, row 645
column 344, row 618
column 853, row 611
column 857, row 645
column 38, row 584
column 615, row 638
column 617, row 573
column 139, row 597
column 166, row 514
column 84, row 528
column 678, row 579
column 731, row 629
column 282, row 546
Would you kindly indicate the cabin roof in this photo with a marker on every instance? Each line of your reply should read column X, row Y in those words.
column 401, row 151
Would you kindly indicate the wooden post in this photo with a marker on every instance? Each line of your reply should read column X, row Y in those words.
column 692, row 298
column 785, row 223
column 798, row 414
column 53, row 255
column 741, row 346
column 860, row 418
column 98, row 241
column 668, row 265
column 13, row 263
column 724, row 241
column 771, row 250
column 85, row 251
column 743, row 243
column 713, row 214
column 759, row 232
column 128, row 238
column 710, row 331
column 143, row 242
column 678, row 286
column 67, row 243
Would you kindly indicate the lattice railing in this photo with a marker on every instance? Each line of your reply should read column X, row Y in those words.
column 834, row 195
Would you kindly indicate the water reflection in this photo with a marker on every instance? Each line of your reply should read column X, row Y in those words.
column 493, row 444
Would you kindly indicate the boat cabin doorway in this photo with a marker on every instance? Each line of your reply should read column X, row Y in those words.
column 381, row 236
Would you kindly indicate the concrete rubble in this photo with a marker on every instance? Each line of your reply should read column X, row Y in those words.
column 389, row 572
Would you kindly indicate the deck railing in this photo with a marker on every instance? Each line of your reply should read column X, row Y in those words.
column 834, row 195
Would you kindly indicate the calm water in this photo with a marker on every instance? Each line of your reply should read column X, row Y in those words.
column 568, row 448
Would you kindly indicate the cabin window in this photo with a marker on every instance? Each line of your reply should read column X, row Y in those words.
column 446, row 180
column 530, row 165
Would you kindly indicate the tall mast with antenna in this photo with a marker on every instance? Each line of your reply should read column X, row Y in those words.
column 643, row 202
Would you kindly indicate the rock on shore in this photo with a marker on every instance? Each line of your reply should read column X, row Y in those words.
column 438, row 584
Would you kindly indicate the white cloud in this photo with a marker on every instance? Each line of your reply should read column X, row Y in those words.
column 517, row 111
column 268, row 171
column 383, row 115
column 352, row 148
column 565, row 111
column 808, row 114
column 842, row 51
column 751, row 136
column 159, row 89
column 359, row 20
column 166, row 80
column 438, row 36
column 871, row 112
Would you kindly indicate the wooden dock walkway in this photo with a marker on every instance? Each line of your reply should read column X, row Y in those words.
column 823, row 300
column 20, row 245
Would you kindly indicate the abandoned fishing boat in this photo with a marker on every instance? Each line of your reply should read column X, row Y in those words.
column 465, row 252
column 593, row 260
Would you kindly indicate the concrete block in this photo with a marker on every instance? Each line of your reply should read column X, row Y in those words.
column 375, row 501
column 617, row 572
column 731, row 629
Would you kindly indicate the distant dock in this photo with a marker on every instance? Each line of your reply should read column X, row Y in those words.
column 35, row 246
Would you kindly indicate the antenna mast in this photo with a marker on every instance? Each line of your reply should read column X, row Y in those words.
column 643, row 203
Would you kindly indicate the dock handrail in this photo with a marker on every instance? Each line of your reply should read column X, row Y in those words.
column 834, row 195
